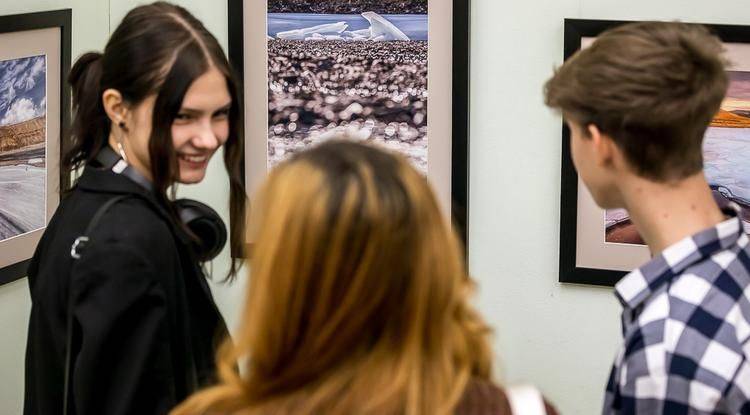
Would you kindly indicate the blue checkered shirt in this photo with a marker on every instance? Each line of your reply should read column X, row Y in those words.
column 686, row 326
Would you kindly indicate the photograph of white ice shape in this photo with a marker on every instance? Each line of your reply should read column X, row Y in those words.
column 362, row 73
column 380, row 30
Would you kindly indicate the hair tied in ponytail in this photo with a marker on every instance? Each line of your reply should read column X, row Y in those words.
column 85, row 74
column 89, row 128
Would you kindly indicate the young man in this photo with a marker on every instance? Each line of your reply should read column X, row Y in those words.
column 638, row 103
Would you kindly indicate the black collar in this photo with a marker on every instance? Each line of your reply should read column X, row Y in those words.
column 98, row 179
column 109, row 160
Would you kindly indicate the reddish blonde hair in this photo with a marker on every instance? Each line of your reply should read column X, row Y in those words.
column 358, row 296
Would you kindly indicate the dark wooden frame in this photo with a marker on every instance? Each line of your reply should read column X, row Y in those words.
column 575, row 31
column 460, row 122
column 35, row 21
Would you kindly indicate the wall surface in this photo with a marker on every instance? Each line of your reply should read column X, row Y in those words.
column 562, row 338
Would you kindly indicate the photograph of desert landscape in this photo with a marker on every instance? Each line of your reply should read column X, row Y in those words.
column 726, row 160
column 355, row 67
column 23, row 110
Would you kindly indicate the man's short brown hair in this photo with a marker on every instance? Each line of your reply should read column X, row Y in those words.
column 653, row 87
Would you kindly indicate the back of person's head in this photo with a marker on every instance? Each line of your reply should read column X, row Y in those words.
column 652, row 87
column 358, row 295
column 158, row 50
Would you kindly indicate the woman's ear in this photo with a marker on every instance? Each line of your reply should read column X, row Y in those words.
column 116, row 108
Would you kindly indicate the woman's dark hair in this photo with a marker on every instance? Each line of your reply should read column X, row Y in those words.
column 158, row 49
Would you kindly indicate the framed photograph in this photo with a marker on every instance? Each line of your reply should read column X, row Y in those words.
column 391, row 72
column 599, row 247
column 34, row 107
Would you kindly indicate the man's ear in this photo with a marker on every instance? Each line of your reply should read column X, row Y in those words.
column 115, row 107
column 603, row 145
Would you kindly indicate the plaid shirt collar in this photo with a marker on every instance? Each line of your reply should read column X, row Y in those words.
column 637, row 286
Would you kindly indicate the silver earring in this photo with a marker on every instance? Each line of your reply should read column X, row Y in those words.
column 119, row 144
column 122, row 151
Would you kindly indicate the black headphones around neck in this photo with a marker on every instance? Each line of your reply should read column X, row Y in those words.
column 198, row 217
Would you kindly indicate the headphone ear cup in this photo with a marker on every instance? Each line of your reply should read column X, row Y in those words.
column 206, row 225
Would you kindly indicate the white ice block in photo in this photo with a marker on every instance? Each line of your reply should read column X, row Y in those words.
column 357, row 35
column 360, row 33
column 324, row 29
column 382, row 29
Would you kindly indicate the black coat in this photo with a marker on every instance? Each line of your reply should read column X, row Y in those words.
column 145, row 325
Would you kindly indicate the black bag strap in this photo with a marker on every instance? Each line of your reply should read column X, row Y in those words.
column 76, row 250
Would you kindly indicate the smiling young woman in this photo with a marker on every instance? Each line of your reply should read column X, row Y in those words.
column 128, row 324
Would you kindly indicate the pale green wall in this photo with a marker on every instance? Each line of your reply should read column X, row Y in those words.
column 563, row 338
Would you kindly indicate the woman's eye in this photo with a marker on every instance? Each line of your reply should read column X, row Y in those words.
column 182, row 117
column 221, row 114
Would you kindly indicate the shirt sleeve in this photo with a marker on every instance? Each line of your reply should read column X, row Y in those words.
column 121, row 362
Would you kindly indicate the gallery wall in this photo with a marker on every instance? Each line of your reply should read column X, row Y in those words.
column 562, row 338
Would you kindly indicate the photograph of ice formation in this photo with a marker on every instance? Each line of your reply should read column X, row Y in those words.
column 347, row 67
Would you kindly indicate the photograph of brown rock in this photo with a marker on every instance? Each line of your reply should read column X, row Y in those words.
column 726, row 160
column 23, row 121
column 347, row 67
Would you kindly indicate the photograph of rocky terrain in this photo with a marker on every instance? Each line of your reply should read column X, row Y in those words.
column 23, row 121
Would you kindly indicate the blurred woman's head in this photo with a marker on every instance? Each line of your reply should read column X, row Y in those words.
column 358, row 296
column 164, row 96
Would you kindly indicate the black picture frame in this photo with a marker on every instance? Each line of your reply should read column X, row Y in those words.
column 569, row 272
column 33, row 21
column 460, row 101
